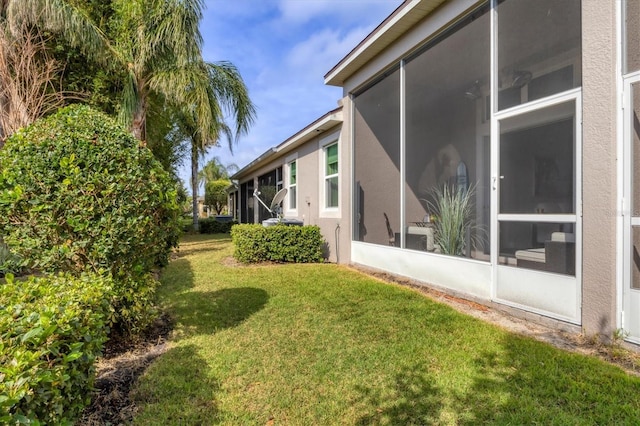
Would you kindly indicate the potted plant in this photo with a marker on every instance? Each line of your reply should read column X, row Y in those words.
column 454, row 219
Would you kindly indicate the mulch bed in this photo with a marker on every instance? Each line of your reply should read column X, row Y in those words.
column 123, row 362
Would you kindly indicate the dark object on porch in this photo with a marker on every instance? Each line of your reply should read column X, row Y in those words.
column 558, row 255
column 392, row 235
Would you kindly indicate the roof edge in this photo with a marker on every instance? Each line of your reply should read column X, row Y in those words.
column 391, row 29
column 325, row 122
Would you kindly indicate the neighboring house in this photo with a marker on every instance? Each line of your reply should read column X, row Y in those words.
column 310, row 166
column 203, row 210
column 533, row 106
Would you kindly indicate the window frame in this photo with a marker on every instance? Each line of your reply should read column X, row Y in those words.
column 287, row 182
column 323, row 146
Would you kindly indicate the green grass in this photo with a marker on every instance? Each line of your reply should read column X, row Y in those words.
column 322, row 345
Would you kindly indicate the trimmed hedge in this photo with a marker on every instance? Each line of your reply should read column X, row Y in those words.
column 213, row 226
column 78, row 193
column 51, row 331
column 280, row 243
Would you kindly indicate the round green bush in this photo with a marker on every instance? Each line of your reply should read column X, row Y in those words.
column 78, row 193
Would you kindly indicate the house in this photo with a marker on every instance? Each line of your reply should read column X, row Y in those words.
column 310, row 166
column 529, row 109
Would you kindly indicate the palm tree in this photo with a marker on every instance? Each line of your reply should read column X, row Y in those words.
column 159, row 43
column 225, row 91
column 215, row 170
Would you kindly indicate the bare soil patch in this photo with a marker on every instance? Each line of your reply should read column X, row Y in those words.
column 231, row 262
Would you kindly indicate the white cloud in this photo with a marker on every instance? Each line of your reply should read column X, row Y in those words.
column 322, row 50
column 303, row 11
column 283, row 48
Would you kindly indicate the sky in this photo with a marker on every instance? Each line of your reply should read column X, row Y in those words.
column 283, row 49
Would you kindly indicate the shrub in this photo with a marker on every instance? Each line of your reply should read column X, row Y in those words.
column 51, row 330
column 213, row 226
column 78, row 193
column 215, row 194
column 10, row 263
column 299, row 244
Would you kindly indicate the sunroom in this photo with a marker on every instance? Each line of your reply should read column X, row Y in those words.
column 467, row 151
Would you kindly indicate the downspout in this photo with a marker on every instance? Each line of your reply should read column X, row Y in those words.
column 337, row 235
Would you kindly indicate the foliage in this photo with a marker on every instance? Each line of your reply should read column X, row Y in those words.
column 215, row 170
column 213, row 226
column 78, row 193
column 51, row 331
column 454, row 211
column 215, row 194
column 165, row 139
column 10, row 263
column 256, row 243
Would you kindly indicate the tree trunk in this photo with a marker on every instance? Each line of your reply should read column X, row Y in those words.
column 194, row 184
column 139, row 124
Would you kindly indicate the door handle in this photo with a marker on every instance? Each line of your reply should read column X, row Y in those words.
column 494, row 184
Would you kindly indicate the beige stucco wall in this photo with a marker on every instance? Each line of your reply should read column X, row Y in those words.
column 599, row 167
column 335, row 226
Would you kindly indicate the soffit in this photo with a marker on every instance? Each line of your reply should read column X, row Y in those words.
column 391, row 29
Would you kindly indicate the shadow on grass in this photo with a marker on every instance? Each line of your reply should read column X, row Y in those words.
column 177, row 389
column 206, row 312
column 189, row 251
column 531, row 382
column 176, row 278
column 211, row 311
column 521, row 381
column 413, row 400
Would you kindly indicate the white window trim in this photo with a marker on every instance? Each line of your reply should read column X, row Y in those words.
column 330, row 212
column 286, row 170
column 280, row 182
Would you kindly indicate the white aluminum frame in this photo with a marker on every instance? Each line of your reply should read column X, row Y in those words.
column 323, row 144
column 453, row 272
column 286, row 171
column 630, row 298
column 529, row 289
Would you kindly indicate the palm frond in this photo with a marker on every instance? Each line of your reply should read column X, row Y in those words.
column 60, row 16
column 204, row 93
column 231, row 89
column 129, row 100
column 176, row 28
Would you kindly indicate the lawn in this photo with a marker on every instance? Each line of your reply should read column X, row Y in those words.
column 323, row 344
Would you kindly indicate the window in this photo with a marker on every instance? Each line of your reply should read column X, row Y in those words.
column 293, row 185
column 331, row 175
column 279, row 179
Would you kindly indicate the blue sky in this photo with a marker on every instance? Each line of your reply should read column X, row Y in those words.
column 283, row 49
